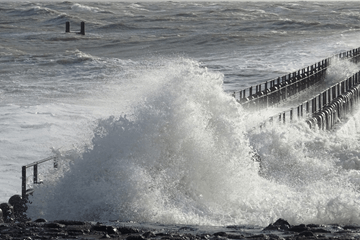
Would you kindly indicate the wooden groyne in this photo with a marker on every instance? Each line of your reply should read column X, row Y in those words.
column 342, row 99
column 275, row 91
column 82, row 28
column 327, row 108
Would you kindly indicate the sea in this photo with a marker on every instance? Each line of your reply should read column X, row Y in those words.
column 140, row 114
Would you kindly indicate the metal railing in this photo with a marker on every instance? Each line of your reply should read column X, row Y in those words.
column 24, row 190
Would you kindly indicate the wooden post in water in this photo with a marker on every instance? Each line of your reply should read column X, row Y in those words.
column 82, row 28
column 67, row 27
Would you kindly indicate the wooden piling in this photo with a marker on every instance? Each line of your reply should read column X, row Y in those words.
column 82, row 28
column 67, row 27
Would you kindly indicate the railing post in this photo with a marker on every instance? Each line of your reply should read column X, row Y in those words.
column 35, row 174
column 23, row 182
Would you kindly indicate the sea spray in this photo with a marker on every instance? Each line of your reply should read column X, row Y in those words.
column 183, row 155
column 168, row 161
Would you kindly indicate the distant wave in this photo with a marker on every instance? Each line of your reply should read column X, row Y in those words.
column 35, row 10
column 84, row 8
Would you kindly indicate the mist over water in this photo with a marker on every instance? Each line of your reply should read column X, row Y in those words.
column 140, row 112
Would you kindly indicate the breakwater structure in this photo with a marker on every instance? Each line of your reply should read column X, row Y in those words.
column 82, row 28
column 322, row 111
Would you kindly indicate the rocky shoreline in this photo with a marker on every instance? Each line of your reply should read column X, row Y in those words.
column 281, row 229
column 14, row 225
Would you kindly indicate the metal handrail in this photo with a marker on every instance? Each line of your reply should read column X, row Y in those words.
column 24, row 191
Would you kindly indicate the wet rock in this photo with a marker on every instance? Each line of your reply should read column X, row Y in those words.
column 307, row 234
column 19, row 208
column 127, row 230
column 149, row 234
column 111, row 230
column 40, row 220
column 234, row 236
column 299, row 228
column 99, row 228
column 350, row 227
column 221, row 234
column 68, row 222
column 135, row 237
column 313, row 225
column 105, row 236
column 106, row 229
column 54, row 225
column 275, row 237
column 279, row 225
column 319, row 230
column 7, row 211
column 260, row 236
column 1, row 217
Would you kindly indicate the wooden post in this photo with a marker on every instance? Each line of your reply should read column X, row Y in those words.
column 35, row 174
column 82, row 29
column 67, row 27
column 23, row 183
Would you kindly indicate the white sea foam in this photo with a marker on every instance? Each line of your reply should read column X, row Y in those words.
column 84, row 8
column 183, row 155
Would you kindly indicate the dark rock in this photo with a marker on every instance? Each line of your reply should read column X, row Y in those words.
column 347, row 227
column 149, row 234
column 274, row 237
column 282, row 224
column 76, row 232
column 111, row 230
column 7, row 210
column 344, row 231
column 187, row 228
column 307, row 234
column 105, row 236
column 234, row 236
column 15, row 200
column 1, row 217
column 135, row 237
column 319, row 230
column 127, row 230
column 272, row 227
column 161, row 234
column 40, row 220
column 313, row 225
column 100, row 228
column 299, row 228
column 236, row 227
column 54, row 225
column 279, row 225
column 19, row 208
column 260, row 236
column 68, row 222
column 104, row 228
column 221, row 234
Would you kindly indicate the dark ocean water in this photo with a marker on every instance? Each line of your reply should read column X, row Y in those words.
column 139, row 111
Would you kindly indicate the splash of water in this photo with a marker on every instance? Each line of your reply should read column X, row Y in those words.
column 183, row 155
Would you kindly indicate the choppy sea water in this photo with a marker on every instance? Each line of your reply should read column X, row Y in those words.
column 141, row 114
